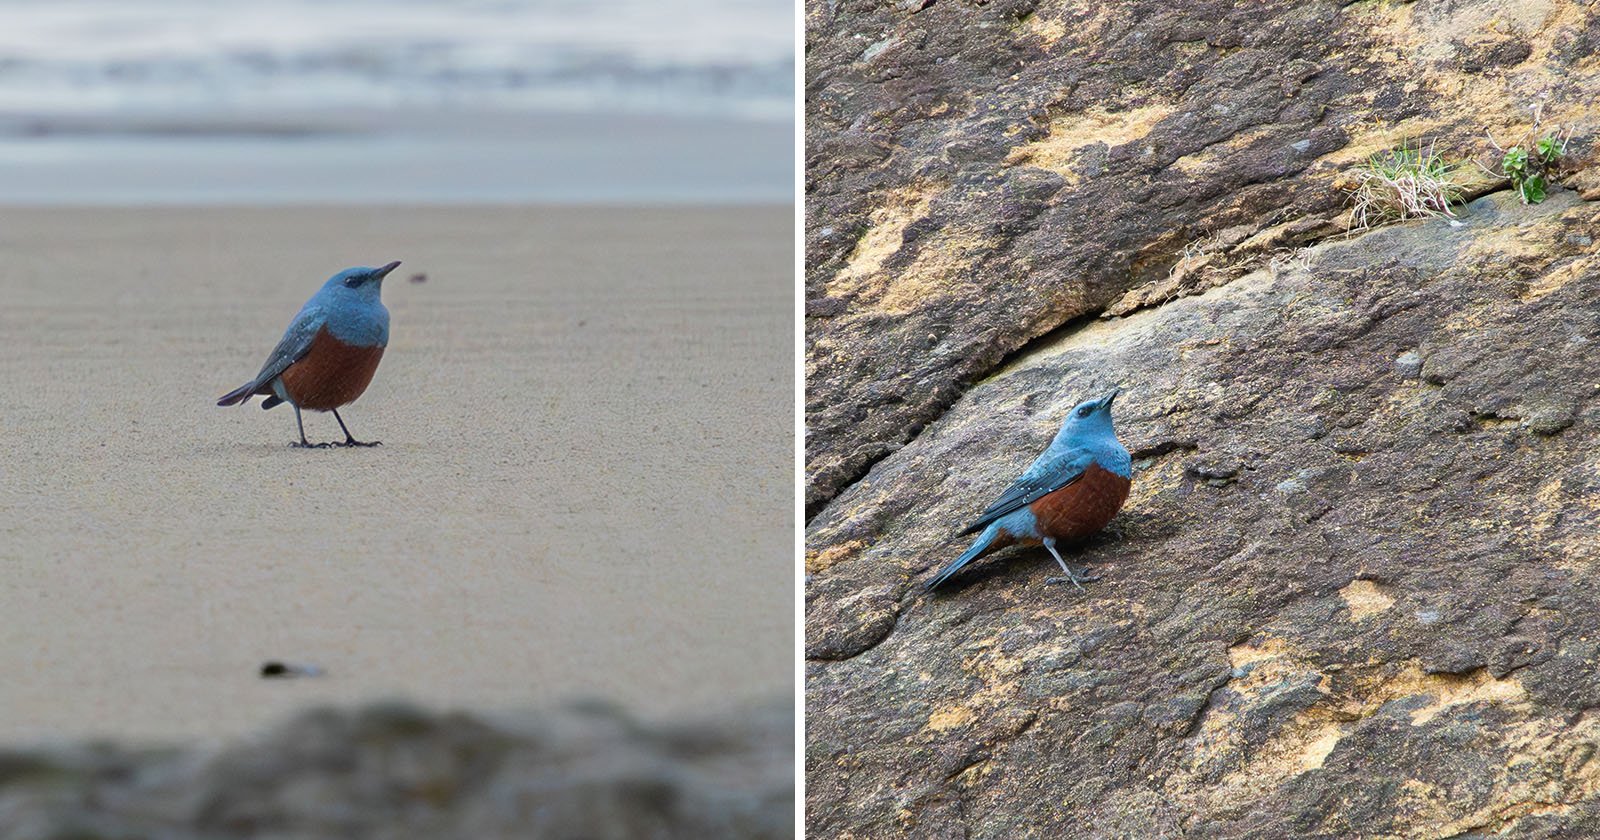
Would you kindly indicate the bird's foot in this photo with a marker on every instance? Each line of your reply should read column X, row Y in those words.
column 306, row 445
column 1074, row 578
column 354, row 442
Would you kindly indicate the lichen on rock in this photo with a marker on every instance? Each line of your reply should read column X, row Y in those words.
column 979, row 174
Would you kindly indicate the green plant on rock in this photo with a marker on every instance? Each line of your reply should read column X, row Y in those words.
column 1530, row 173
column 1409, row 182
column 1530, row 162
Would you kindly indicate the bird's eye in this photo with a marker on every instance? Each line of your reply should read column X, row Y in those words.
column 352, row 282
column 1085, row 411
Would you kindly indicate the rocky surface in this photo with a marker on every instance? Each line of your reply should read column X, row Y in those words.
column 980, row 173
column 586, row 772
column 1353, row 592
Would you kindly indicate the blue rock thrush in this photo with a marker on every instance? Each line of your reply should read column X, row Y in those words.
column 329, row 353
column 1068, row 493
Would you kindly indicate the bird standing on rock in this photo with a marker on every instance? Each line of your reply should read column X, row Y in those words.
column 329, row 353
column 1068, row 493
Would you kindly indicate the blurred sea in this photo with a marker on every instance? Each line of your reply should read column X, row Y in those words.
column 287, row 101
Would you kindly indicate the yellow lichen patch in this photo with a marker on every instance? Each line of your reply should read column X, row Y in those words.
column 818, row 561
column 1306, row 741
column 939, row 264
column 1266, row 665
column 1365, row 599
column 1045, row 29
column 1302, row 745
column 946, row 719
column 1197, row 163
column 1554, row 279
column 1317, row 748
column 1547, row 505
column 942, row 259
column 1090, row 20
column 1165, row 475
column 1445, row 691
column 1464, row 321
column 1418, row 797
column 1420, row 789
column 1423, row 34
column 1449, row 690
column 1071, row 133
column 997, row 674
column 887, row 232
column 1244, row 653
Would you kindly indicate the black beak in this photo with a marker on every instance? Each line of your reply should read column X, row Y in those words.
column 1105, row 403
column 380, row 273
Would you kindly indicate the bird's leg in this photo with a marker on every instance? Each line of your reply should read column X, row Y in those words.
column 1073, row 578
column 349, row 440
column 303, row 444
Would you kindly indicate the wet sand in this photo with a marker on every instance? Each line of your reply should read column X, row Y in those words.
column 584, row 487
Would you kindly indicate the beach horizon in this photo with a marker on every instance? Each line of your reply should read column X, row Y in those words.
column 459, row 157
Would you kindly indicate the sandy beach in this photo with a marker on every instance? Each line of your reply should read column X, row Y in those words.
column 584, row 487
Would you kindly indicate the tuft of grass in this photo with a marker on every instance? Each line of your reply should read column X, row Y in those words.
column 1411, row 182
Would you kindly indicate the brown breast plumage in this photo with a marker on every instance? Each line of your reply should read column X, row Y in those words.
column 330, row 374
column 1082, row 507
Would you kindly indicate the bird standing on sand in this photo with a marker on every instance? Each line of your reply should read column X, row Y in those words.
column 1068, row 493
column 329, row 353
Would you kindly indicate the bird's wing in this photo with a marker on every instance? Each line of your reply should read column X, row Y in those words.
column 1046, row 476
column 295, row 344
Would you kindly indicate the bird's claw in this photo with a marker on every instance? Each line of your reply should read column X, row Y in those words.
column 305, row 445
column 1077, row 580
column 354, row 442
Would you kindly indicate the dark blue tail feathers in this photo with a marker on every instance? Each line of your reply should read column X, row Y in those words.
column 978, row 547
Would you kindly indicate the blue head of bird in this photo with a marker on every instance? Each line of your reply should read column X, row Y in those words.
column 1088, row 426
column 361, row 283
column 350, row 304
